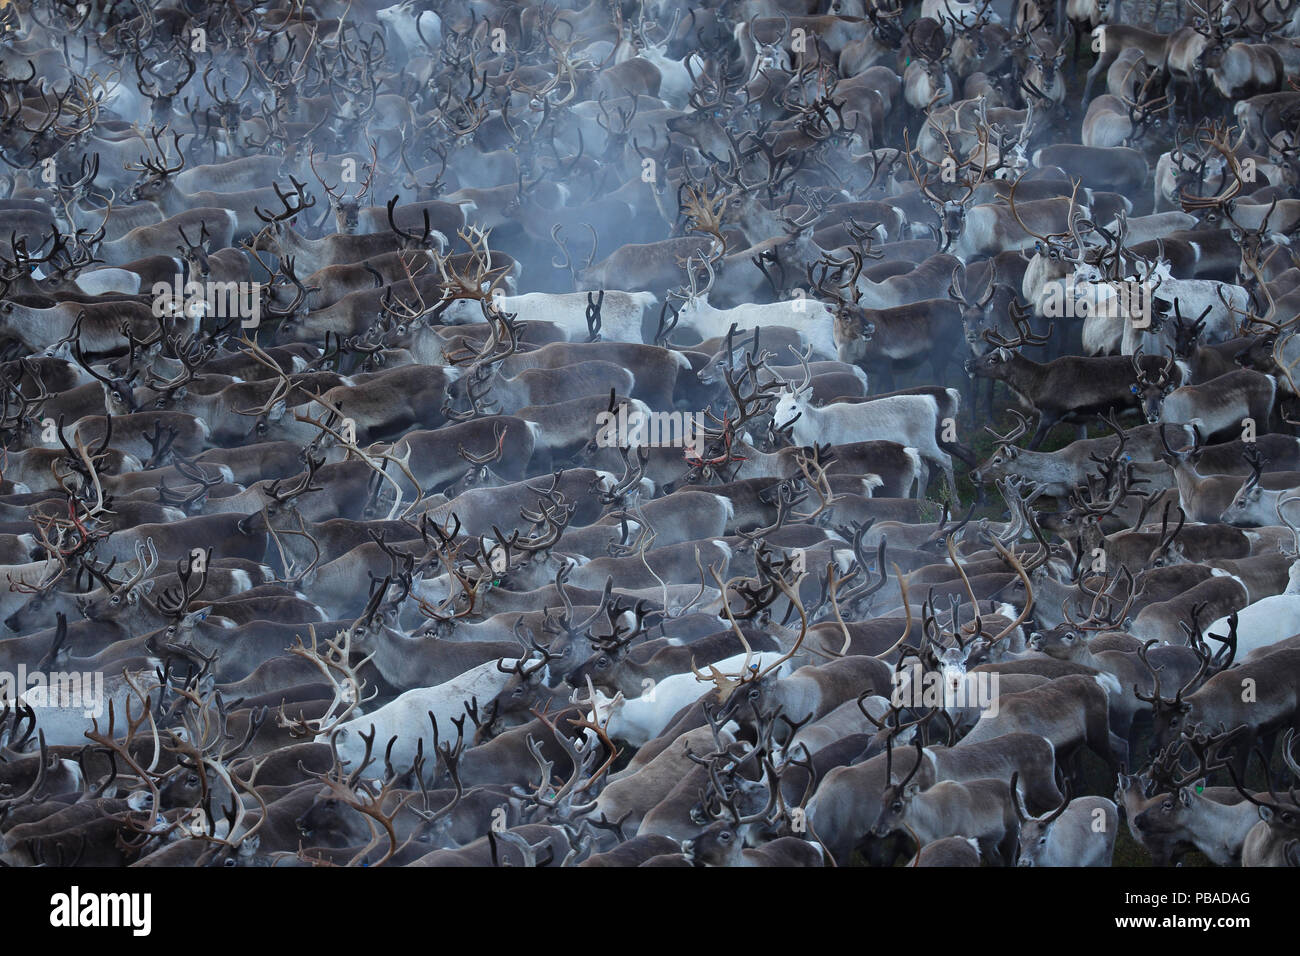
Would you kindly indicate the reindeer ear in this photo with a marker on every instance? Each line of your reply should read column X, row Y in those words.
column 194, row 617
column 277, row 411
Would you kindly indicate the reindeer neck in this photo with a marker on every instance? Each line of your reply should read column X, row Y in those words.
column 391, row 658
column 1024, row 375
column 1189, row 482
column 294, row 243
column 1084, row 655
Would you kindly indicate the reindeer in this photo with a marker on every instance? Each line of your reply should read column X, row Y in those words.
column 980, row 807
column 915, row 418
column 1065, row 388
column 1218, row 700
column 1236, row 396
column 410, row 512
column 1079, row 832
column 1190, row 813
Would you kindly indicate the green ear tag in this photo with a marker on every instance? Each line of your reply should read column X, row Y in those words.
column 1200, row 788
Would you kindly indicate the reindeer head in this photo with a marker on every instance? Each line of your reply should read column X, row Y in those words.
column 346, row 208
column 326, row 820
column 959, row 179
column 769, row 51
column 160, row 93
column 853, row 333
column 1245, row 511
column 1041, row 79
column 480, row 473
column 72, row 189
column 127, row 594
column 983, row 314
column 1062, row 642
column 1211, row 53
column 790, row 407
column 1153, row 382
column 1002, row 463
column 898, row 795
column 601, row 667
column 1217, row 159
column 294, row 202
column 1035, row 832
column 1179, row 715
column 719, row 845
column 157, row 176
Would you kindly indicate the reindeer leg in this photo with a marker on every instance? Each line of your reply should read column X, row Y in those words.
column 989, row 849
column 1241, row 759
column 961, row 451
column 1072, row 767
column 1007, row 846
column 1268, row 743
column 950, row 479
column 1045, row 424
column 883, row 851
column 1139, row 725
column 1042, row 795
column 1103, row 63
column 1106, row 745
column 1163, row 855
column 1119, row 752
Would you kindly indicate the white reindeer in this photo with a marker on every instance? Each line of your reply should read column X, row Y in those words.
column 912, row 420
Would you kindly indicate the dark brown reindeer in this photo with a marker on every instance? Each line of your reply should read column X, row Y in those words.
column 1064, row 388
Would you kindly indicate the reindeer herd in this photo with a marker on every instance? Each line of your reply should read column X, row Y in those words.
column 745, row 433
